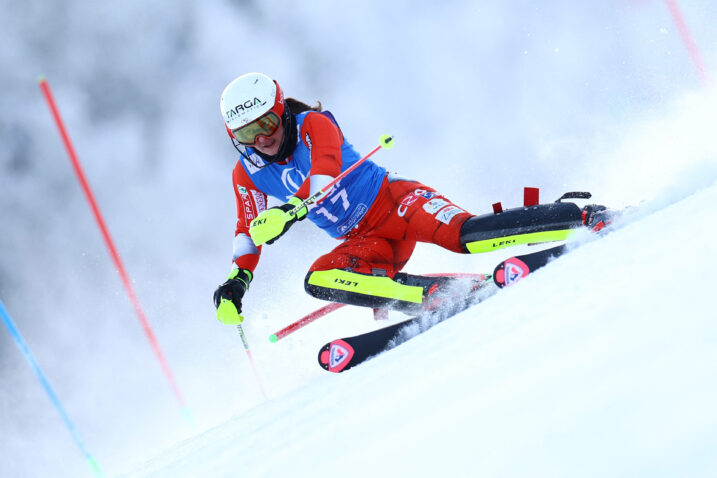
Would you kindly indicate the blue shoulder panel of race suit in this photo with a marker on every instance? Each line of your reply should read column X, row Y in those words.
column 349, row 200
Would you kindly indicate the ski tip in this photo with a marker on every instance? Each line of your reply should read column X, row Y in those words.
column 273, row 338
column 324, row 356
column 324, row 359
column 336, row 356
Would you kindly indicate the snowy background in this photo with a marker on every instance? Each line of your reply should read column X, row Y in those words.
column 483, row 98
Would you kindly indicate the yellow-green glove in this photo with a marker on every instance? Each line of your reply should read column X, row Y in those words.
column 271, row 224
column 227, row 297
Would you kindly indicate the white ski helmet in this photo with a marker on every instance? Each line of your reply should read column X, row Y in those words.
column 252, row 105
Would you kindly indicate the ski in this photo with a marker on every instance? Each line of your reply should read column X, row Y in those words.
column 516, row 268
column 344, row 353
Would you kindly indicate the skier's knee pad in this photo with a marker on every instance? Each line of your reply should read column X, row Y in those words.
column 339, row 285
column 523, row 225
column 407, row 293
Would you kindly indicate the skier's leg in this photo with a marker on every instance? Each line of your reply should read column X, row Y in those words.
column 423, row 214
column 404, row 292
column 364, row 272
column 360, row 272
column 524, row 225
column 431, row 217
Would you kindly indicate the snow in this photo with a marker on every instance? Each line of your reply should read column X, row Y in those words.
column 600, row 364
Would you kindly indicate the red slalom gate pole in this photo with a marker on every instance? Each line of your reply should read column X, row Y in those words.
column 687, row 39
column 45, row 87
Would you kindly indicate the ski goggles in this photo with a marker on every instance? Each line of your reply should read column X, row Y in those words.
column 263, row 126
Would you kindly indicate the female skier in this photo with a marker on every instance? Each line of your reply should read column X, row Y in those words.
column 290, row 150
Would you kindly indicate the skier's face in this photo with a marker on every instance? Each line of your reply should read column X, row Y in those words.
column 269, row 145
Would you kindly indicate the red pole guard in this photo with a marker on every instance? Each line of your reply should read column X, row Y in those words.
column 45, row 87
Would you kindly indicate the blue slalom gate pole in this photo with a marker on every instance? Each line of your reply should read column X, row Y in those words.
column 48, row 389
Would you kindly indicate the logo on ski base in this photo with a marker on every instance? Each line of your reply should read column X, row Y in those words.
column 340, row 354
column 515, row 270
column 337, row 355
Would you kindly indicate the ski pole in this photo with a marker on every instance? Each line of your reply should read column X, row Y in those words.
column 462, row 275
column 25, row 350
column 306, row 320
column 251, row 360
column 385, row 141
column 45, row 87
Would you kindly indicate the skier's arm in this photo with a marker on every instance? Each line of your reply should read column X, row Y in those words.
column 324, row 140
column 250, row 203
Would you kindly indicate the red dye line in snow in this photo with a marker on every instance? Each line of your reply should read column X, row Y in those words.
column 108, row 240
column 687, row 39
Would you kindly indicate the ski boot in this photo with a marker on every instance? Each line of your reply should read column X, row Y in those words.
column 596, row 217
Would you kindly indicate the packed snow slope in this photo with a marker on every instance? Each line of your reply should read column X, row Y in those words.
column 600, row 364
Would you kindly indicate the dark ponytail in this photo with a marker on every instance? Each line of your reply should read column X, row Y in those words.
column 297, row 106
